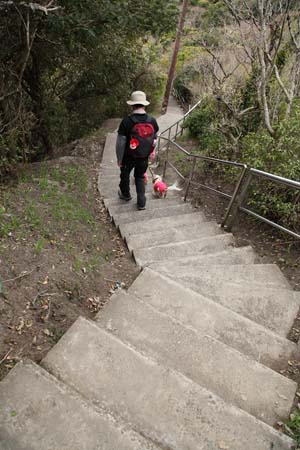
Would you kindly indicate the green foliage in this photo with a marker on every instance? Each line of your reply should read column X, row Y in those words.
column 202, row 125
column 39, row 246
column 182, row 82
column 230, row 123
column 292, row 426
column 50, row 201
column 216, row 15
column 250, row 99
column 82, row 62
column 200, row 120
column 279, row 155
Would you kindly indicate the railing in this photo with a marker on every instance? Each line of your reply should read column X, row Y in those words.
column 175, row 129
column 241, row 190
column 252, row 173
column 232, row 198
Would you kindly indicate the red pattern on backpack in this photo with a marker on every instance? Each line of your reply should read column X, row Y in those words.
column 141, row 139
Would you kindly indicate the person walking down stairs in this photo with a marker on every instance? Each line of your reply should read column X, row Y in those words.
column 135, row 143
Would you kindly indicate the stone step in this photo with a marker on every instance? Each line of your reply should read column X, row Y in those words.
column 109, row 151
column 161, row 403
column 210, row 363
column 167, row 211
column 109, row 168
column 109, row 156
column 273, row 307
column 154, row 224
column 109, row 172
column 106, row 168
column 111, row 193
column 172, row 235
column 112, row 179
column 40, row 413
column 208, row 275
column 232, row 255
column 213, row 319
column 110, row 142
column 150, row 255
column 114, row 199
column 109, row 160
column 108, row 180
column 151, row 204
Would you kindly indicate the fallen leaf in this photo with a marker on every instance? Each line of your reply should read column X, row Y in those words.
column 28, row 323
column 45, row 280
column 21, row 325
column 223, row 446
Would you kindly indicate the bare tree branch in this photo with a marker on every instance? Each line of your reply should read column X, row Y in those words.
column 33, row 6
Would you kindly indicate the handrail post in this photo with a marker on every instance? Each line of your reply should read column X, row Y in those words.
column 182, row 127
column 240, row 200
column 165, row 169
column 234, row 197
column 167, row 159
column 190, row 179
column 158, row 145
column 169, row 138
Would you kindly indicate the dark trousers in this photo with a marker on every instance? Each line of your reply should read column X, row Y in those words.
column 140, row 166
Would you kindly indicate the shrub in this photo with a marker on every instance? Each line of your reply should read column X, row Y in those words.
column 279, row 155
column 202, row 125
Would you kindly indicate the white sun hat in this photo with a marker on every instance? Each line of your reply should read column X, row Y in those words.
column 138, row 98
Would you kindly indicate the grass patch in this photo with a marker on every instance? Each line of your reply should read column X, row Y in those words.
column 39, row 246
column 292, row 427
column 50, row 208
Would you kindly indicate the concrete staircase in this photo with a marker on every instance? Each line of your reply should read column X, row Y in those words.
column 189, row 358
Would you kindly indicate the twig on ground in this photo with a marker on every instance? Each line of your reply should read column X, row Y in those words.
column 6, row 356
column 111, row 281
column 45, row 318
column 43, row 294
column 40, row 294
column 286, row 242
column 22, row 275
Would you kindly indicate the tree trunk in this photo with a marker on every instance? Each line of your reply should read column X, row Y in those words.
column 33, row 80
column 174, row 57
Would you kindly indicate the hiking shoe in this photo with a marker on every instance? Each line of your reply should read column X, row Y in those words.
column 122, row 197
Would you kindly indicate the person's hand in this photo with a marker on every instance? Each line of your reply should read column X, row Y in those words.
column 152, row 155
column 119, row 164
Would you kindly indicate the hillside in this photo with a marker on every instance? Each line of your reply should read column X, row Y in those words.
column 60, row 256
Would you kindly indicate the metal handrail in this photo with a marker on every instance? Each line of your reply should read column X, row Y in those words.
column 179, row 130
column 275, row 178
column 241, row 189
column 190, row 180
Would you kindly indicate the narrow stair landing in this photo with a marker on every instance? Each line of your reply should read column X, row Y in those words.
column 189, row 358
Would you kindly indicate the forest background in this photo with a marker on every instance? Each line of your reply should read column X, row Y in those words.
column 67, row 65
column 242, row 58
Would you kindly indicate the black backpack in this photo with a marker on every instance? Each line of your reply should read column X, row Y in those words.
column 141, row 138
